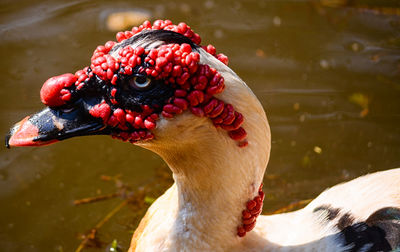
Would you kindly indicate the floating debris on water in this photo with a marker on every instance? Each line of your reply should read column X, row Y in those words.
column 317, row 149
column 90, row 240
column 149, row 200
column 296, row 106
column 114, row 247
column 218, row 34
column 123, row 20
column 185, row 8
column 277, row 21
column 209, row 4
column 260, row 53
column 375, row 58
column 334, row 3
column 354, row 46
column 306, row 161
column 345, row 174
column 96, row 198
column 374, row 7
column 361, row 100
column 59, row 248
column 324, row 64
column 3, row 175
column 302, row 118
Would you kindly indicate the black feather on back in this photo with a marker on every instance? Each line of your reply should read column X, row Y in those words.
column 362, row 237
column 380, row 232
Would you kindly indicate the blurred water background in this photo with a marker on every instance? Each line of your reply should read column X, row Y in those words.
column 327, row 73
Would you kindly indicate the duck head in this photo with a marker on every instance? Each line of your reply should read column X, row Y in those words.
column 133, row 86
column 156, row 87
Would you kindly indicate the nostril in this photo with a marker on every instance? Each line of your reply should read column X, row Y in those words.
column 67, row 110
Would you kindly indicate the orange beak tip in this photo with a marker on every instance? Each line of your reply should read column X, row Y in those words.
column 22, row 134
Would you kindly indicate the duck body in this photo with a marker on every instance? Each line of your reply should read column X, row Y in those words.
column 346, row 217
column 159, row 89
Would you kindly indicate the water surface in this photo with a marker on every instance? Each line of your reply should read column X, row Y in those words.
column 327, row 75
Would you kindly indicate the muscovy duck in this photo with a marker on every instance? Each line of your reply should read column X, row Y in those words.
column 158, row 88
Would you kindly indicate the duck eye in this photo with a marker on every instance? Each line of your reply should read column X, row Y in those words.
column 140, row 82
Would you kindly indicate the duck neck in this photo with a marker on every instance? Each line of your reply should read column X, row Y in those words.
column 214, row 177
column 214, row 182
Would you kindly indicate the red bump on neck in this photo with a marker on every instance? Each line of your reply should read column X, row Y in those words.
column 250, row 214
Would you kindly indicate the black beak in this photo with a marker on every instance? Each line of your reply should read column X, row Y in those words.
column 51, row 125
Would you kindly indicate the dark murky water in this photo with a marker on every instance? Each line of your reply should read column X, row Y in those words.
column 327, row 76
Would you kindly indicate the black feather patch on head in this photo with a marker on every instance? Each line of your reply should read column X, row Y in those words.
column 147, row 37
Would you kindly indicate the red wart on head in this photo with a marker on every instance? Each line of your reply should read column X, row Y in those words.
column 53, row 92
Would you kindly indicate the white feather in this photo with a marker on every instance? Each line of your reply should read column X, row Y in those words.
column 214, row 179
